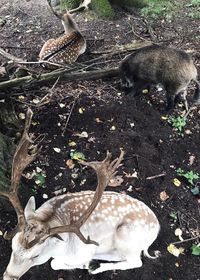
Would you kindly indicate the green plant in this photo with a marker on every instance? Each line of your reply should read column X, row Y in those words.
column 158, row 8
column 173, row 216
column 178, row 123
column 194, row 15
column 39, row 178
column 103, row 8
column 77, row 156
column 195, row 250
column 189, row 175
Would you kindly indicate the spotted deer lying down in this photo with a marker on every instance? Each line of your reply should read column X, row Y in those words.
column 75, row 228
column 172, row 68
column 67, row 48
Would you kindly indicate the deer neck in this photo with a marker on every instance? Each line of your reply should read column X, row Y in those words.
column 69, row 24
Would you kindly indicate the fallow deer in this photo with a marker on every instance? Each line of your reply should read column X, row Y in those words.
column 67, row 48
column 173, row 68
column 118, row 227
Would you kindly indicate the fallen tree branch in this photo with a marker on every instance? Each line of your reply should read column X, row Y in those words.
column 31, row 81
column 124, row 48
column 10, row 56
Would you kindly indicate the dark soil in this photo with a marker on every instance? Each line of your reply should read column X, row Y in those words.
column 112, row 120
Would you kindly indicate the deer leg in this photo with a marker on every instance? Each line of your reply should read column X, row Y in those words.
column 130, row 263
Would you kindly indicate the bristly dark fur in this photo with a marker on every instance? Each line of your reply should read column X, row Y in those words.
column 172, row 68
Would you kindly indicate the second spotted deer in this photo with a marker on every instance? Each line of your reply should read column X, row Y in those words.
column 67, row 48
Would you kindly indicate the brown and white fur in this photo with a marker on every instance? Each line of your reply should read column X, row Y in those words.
column 67, row 48
column 123, row 226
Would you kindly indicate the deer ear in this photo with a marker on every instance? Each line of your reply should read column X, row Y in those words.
column 29, row 211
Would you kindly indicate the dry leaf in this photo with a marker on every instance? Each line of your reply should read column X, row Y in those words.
column 129, row 175
column 164, row 196
column 70, row 164
column 191, row 159
column 57, row 150
column 83, row 134
column 113, row 128
column 98, row 120
column 116, row 181
column 22, row 116
column 92, row 139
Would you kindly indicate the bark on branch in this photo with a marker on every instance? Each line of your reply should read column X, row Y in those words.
column 31, row 81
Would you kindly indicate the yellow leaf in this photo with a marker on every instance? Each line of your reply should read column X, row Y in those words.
column 72, row 144
column 145, row 91
column 21, row 97
column 81, row 110
column 113, row 128
column 176, row 182
column 172, row 249
column 164, row 118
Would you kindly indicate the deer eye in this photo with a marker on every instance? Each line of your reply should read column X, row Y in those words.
column 35, row 257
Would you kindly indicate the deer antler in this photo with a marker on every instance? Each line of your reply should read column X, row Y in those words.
column 22, row 158
column 105, row 170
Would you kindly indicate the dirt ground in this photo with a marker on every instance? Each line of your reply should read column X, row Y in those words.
column 111, row 120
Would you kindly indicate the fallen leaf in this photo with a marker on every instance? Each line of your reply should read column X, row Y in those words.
column 191, row 159
column 83, row 134
column 116, row 181
column 145, row 91
column 22, row 116
column 77, row 156
column 81, row 110
column 57, row 150
column 21, row 97
column 177, row 264
column 131, row 175
column 176, row 182
column 1, row 233
column 113, row 128
column 130, row 189
column 36, row 101
column 172, row 249
column 92, row 139
column 98, row 120
column 196, row 250
column 62, row 105
column 72, row 144
column 164, row 118
column 164, row 196
column 70, row 164
column 45, row 196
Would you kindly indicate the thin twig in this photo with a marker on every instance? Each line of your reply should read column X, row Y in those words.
column 70, row 113
column 156, row 176
column 186, row 240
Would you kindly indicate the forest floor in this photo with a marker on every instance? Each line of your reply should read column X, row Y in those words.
column 110, row 120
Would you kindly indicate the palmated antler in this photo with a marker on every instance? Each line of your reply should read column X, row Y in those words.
column 105, row 170
column 22, row 158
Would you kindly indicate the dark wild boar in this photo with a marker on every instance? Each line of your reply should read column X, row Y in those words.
column 172, row 68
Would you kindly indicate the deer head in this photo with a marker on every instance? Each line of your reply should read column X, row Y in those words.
column 67, row 48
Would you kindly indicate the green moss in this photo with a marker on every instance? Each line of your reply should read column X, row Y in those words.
column 103, row 8
column 6, row 153
column 69, row 4
column 131, row 3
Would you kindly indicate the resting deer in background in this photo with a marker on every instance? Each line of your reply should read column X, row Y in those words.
column 75, row 228
column 67, row 48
